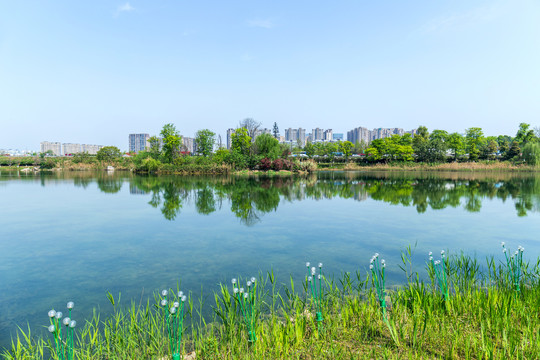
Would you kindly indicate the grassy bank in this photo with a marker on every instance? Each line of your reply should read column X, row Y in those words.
column 483, row 317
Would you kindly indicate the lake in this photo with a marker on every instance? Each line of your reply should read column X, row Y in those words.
column 79, row 235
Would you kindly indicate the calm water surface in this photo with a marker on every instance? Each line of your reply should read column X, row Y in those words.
column 76, row 236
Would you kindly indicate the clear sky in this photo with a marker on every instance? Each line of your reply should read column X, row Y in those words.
column 95, row 71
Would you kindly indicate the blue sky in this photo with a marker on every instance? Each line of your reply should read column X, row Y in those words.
column 95, row 71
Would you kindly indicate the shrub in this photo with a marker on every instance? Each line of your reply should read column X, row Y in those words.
column 277, row 164
column 265, row 164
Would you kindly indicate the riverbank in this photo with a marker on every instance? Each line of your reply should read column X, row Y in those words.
column 207, row 167
column 484, row 316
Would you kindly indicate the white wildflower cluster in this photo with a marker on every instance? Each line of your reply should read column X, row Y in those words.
column 57, row 321
column 312, row 273
column 373, row 259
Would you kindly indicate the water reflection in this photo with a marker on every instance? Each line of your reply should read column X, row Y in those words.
column 249, row 198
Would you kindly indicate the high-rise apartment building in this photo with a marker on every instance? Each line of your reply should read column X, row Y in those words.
column 138, row 142
column 327, row 135
column 70, row 149
column 337, row 137
column 56, row 147
column 295, row 135
column 91, row 149
column 189, row 144
column 229, row 138
column 317, row 134
column 361, row 134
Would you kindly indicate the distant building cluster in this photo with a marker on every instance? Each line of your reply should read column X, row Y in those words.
column 60, row 149
column 15, row 152
column 139, row 142
column 362, row 134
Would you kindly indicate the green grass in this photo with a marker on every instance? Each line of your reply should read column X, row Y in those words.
column 483, row 318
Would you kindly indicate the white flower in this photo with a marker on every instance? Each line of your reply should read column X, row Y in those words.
column 235, row 290
column 70, row 305
column 521, row 248
column 430, row 253
column 163, row 302
column 245, row 296
column 180, row 294
column 51, row 313
column 164, row 292
column 383, row 262
column 371, row 260
column 176, row 304
column 319, row 276
column 173, row 310
column 307, row 264
column 249, row 284
column 66, row 321
column 309, row 278
column 383, row 265
column 59, row 315
column 504, row 250
column 437, row 262
column 442, row 252
column 253, row 280
column 313, row 270
column 184, row 298
column 376, row 255
column 51, row 328
column 320, row 265
column 72, row 324
column 370, row 267
column 502, row 243
column 430, row 258
column 233, row 281
column 516, row 252
column 241, row 290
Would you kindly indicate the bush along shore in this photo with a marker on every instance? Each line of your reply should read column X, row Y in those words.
column 464, row 310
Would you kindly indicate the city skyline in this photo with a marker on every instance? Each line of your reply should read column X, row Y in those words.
column 93, row 72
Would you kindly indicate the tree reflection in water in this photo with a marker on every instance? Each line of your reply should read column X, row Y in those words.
column 251, row 197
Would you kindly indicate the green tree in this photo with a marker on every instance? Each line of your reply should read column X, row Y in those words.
column 241, row 141
column 171, row 142
column 267, row 146
column 489, row 151
column 346, row 148
column 514, row 152
column 309, row 149
column 437, row 146
column 155, row 146
column 474, row 139
column 455, row 144
column 525, row 135
column 205, row 140
column 420, row 143
column 531, row 153
column 276, row 131
column 109, row 153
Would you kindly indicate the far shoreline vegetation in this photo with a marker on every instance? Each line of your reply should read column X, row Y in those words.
column 254, row 154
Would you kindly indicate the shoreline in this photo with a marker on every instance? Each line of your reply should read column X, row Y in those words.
column 483, row 315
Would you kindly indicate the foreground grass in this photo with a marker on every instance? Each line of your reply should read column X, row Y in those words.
column 483, row 319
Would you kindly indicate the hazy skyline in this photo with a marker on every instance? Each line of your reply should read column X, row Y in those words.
column 93, row 72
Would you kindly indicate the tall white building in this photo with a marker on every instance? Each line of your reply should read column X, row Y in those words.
column 56, row 147
column 70, row 149
column 229, row 138
column 90, row 149
column 189, row 144
column 138, row 142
